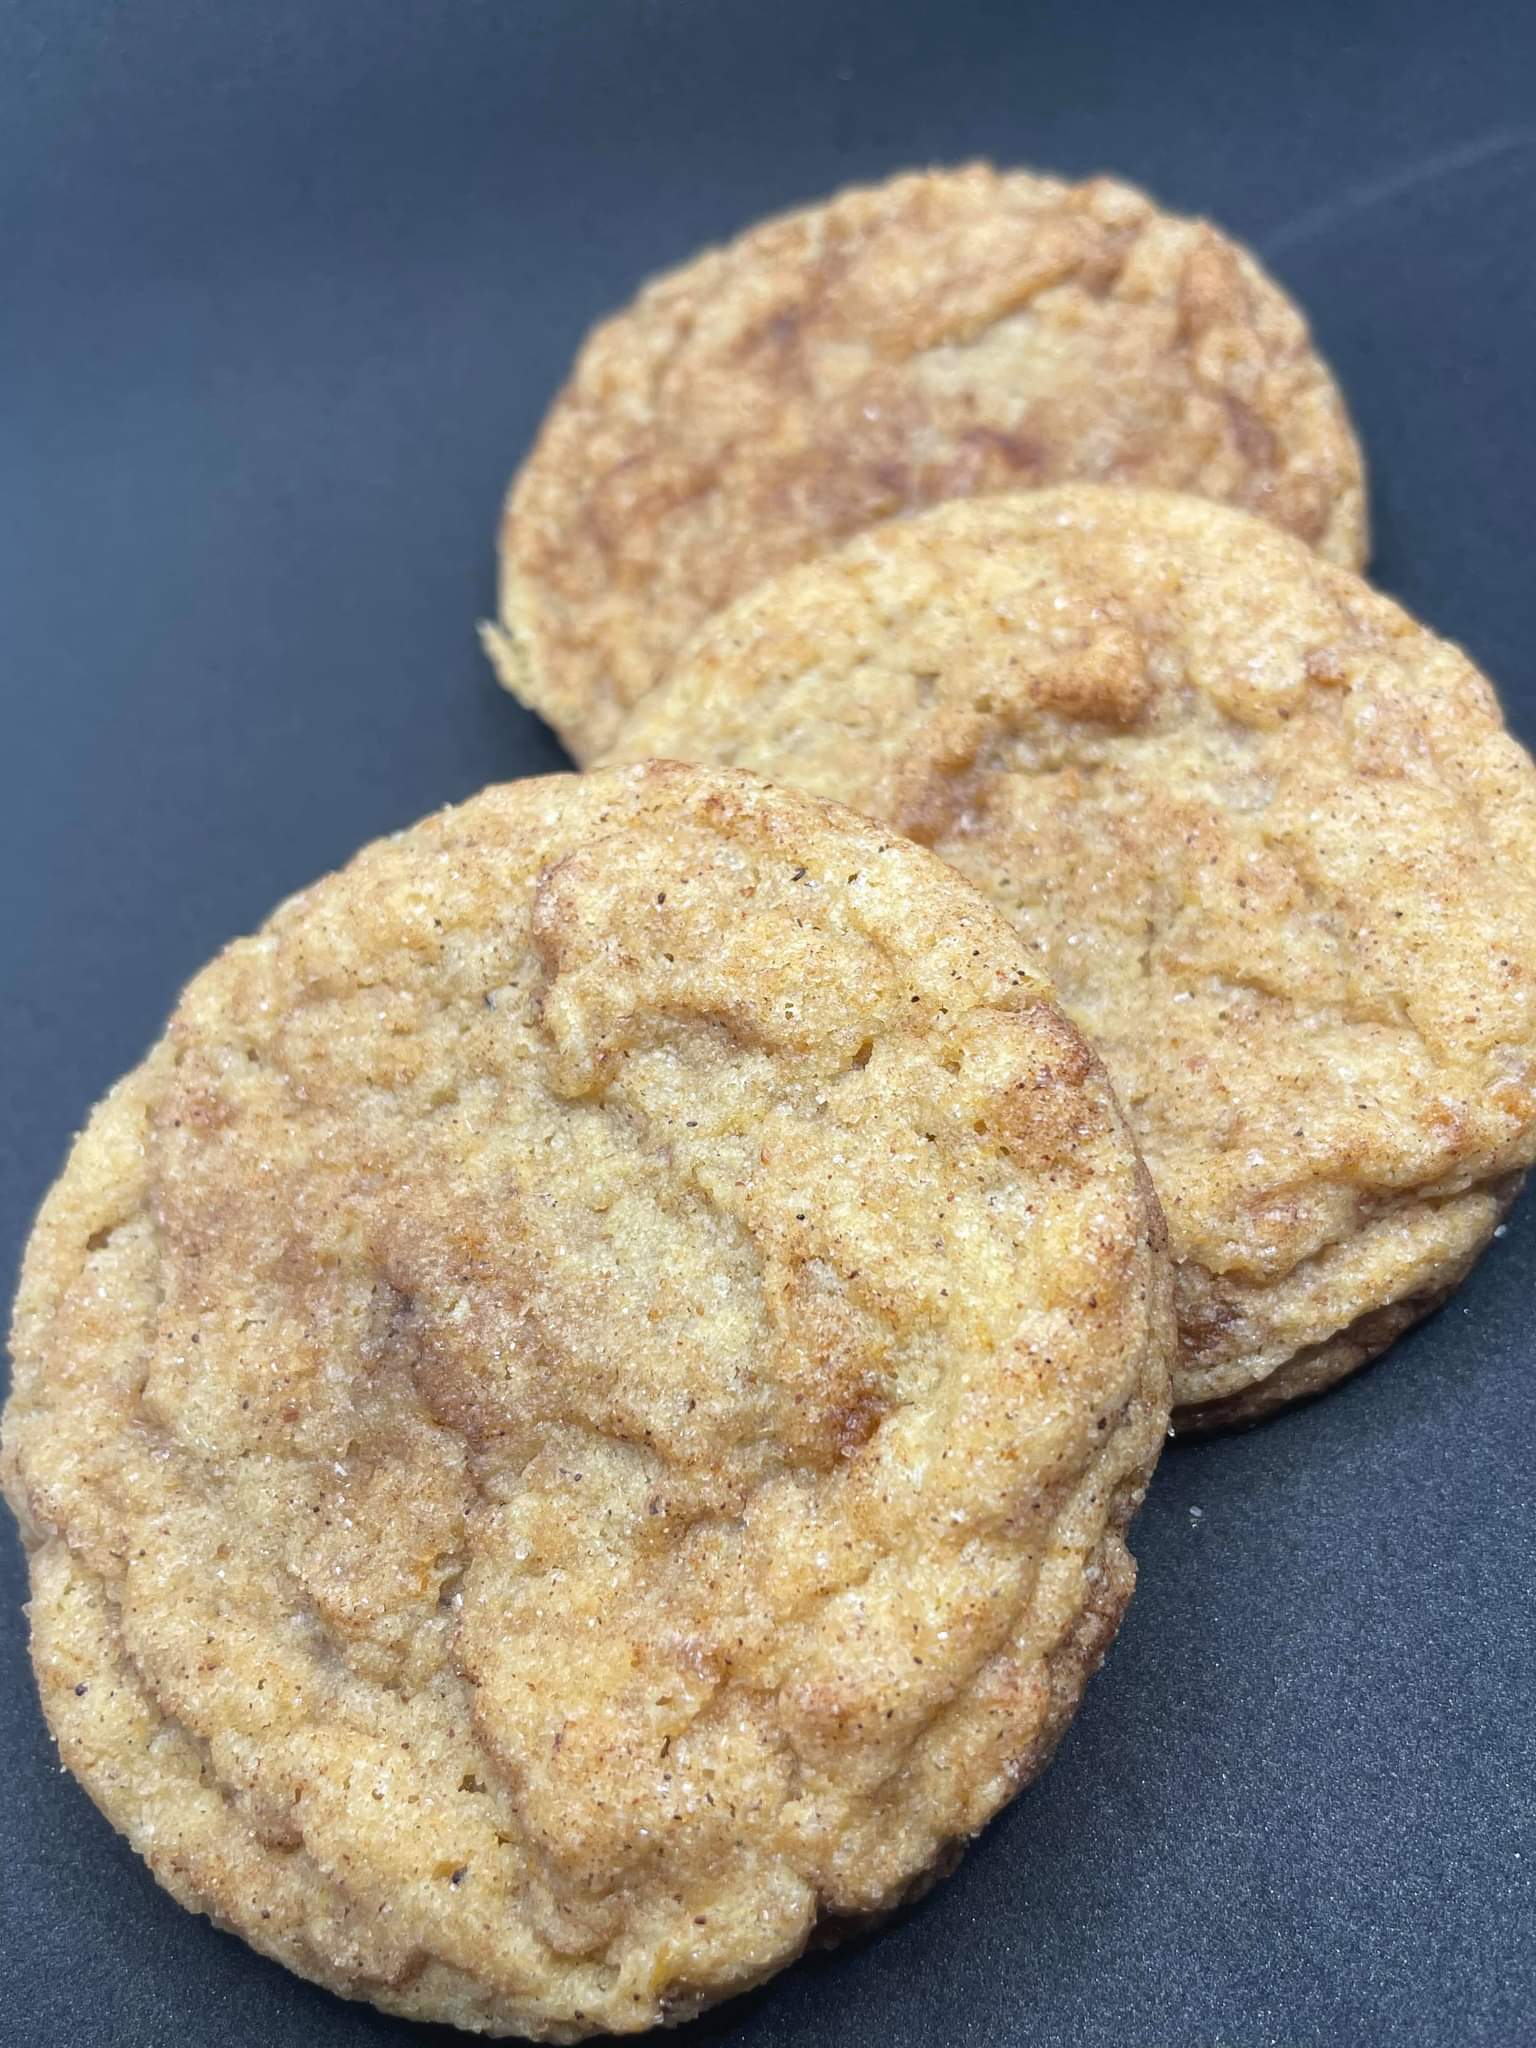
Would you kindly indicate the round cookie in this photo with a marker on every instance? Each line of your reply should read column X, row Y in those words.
column 580, row 1409
column 944, row 335
column 1268, row 835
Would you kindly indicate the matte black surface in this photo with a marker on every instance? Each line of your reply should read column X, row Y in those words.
column 284, row 289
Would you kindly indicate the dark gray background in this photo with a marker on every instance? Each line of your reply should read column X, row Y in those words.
column 284, row 289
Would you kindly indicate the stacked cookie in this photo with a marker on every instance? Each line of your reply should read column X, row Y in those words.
column 578, row 1415
column 1267, row 836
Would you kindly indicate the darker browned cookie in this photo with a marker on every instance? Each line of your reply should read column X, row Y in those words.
column 947, row 334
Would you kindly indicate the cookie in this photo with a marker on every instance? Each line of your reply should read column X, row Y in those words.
column 947, row 334
column 1268, row 835
column 580, row 1409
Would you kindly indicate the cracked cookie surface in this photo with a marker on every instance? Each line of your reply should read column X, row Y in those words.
column 943, row 335
column 1267, row 834
column 580, row 1409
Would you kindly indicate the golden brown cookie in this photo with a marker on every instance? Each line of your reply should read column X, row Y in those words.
column 947, row 334
column 1269, row 836
column 580, row 1410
